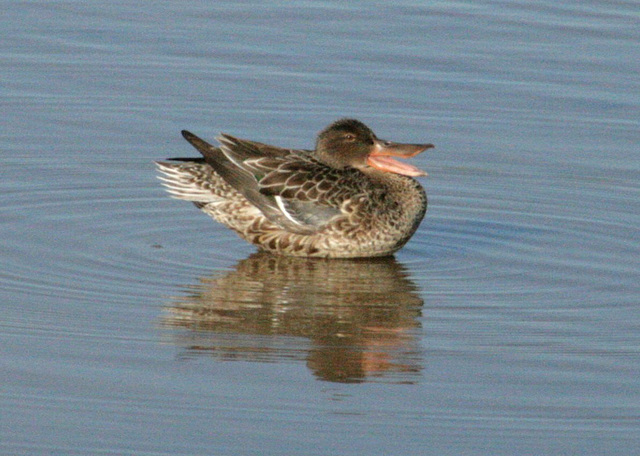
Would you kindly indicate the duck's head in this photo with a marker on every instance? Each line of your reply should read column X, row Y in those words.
column 349, row 142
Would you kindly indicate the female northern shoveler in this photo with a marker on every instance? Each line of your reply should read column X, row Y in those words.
column 346, row 199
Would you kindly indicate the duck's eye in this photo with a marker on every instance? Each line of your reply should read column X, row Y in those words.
column 349, row 137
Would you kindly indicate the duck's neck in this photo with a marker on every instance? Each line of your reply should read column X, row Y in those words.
column 395, row 184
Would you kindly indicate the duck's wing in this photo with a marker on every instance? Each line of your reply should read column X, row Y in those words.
column 305, row 190
column 284, row 184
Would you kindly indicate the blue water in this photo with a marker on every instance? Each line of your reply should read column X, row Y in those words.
column 131, row 323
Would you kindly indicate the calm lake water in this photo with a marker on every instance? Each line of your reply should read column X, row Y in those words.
column 133, row 324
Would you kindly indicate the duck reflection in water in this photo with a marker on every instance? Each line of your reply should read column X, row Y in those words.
column 359, row 316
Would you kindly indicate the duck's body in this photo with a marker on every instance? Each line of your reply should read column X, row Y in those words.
column 346, row 199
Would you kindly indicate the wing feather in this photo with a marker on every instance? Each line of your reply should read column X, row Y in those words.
column 290, row 187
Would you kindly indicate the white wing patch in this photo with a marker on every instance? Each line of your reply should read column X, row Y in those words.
column 285, row 212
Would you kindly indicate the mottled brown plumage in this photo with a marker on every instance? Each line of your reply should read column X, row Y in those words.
column 347, row 198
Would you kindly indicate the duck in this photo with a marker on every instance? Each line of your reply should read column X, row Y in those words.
column 347, row 198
